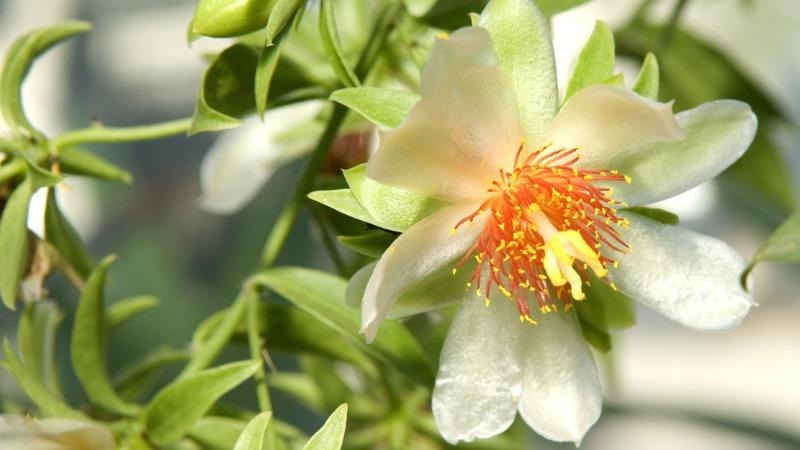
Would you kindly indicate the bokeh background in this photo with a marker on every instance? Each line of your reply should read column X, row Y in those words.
column 666, row 386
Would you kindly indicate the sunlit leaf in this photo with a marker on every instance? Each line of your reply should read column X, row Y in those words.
column 173, row 411
column 87, row 346
column 252, row 437
column 782, row 245
column 595, row 62
column 333, row 47
column 394, row 208
column 227, row 18
column 384, row 107
column 280, row 15
column 331, row 435
column 647, row 82
column 345, row 202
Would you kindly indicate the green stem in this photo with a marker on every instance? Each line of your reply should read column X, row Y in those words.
column 122, row 134
column 285, row 221
column 255, row 344
column 11, row 170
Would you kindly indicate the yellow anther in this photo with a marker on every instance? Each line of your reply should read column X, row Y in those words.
column 628, row 179
column 442, row 35
column 453, row 231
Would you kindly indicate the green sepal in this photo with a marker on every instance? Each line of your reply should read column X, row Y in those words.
column 372, row 243
column 659, row 215
column 595, row 63
column 647, row 82
column 333, row 46
column 229, row 18
column 383, row 107
column 782, row 245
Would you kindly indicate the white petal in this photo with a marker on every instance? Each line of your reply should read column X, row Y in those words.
column 690, row 278
column 419, row 252
column 717, row 134
column 242, row 160
column 465, row 127
column 561, row 395
column 478, row 383
column 604, row 121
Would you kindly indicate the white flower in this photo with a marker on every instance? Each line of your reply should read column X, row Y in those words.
column 241, row 161
column 536, row 201
column 53, row 434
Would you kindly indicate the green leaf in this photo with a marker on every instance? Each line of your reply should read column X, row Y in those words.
column 252, row 437
column 59, row 232
column 18, row 60
column 323, row 296
column 173, row 411
column 123, row 310
column 372, row 243
column 395, row 209
column 216, row 432
column 605, row 308
column 595, row 62
column 599, row 339
column 88, row 348
column 226, row 90
column 782, row 245
column 133, row 380
column 42, row 397
column 647, row 82
column 451, row 14
column 659, row 215
column 78, row 161
column 331, row 435
column 522, row 41
column 14, row 240
column 333, row 47
column 36, row 336
column 345, row 202
column 265, row 69
column 384, row 107
column 552, row 7
column 280, row 15
column 205, row 350
column 228, row 18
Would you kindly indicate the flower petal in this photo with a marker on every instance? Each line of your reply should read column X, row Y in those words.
column 243, row 160
column 688, row 277
column 604, row 121
column 478, row 383
column 418, row 253
column 717, row 134
column 561, row 395
column 465, row 127
column 522, row 41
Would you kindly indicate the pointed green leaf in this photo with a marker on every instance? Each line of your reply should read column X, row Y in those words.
column 132, row 381
column 217, row 432
column 782, row 245
column 59, row 232
column 87, row 346
column 595, row 62
column 226, row 90
column 36, row 336
column 323, row 296
column 252, row 437
column 279, row 17
column 228, row 18
column 395, row 209
column 372, row 243
column 42, row 397
column 384, row 107
column 123, row 310
column 333, row 47
column 331, row 435
column 18, row 60
column 173, row 411
column 78, row 161
column 647, row 82
column 345, row 202
column 659, row 215
column 521, row 39
column 265, row 68
column 14, row 241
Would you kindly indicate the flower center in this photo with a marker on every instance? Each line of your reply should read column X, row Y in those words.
column 548, row 222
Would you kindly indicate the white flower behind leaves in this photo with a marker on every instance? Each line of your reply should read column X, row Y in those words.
column 536, row 200
column 242, row 160
column 53, row 434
